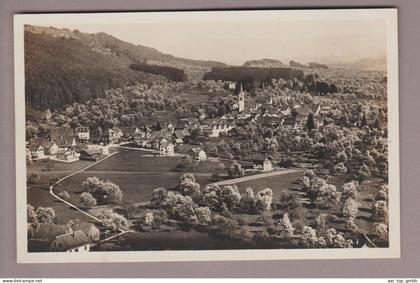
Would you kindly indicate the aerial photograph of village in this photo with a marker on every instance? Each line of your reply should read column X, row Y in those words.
column 208, row 139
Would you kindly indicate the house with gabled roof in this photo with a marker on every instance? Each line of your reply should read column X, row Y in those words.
column 83, row 133
column 50, row 147
column 76, row 241
column 198, row 153
column 37, row 150
column 263, row 162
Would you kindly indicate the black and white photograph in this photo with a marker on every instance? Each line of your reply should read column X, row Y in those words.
column 207, row 135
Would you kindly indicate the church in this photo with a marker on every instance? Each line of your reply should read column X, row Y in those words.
column 240, row 105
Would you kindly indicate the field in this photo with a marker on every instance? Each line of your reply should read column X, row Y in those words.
column 38, row 193
column 135, row 171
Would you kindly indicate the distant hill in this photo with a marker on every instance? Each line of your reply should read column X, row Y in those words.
column 371, row 64
column 64, row 66
column 377, row 63
column 252, row 75
column 264, row 63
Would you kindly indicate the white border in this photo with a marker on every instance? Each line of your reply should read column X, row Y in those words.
column 389, row 16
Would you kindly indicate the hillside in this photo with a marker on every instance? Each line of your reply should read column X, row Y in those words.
column 111, row 46
column 59, row 71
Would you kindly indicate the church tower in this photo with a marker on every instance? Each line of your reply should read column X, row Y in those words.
column 241, row 99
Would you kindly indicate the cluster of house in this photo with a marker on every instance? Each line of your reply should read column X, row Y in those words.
column 66, row 145
column 45, row 237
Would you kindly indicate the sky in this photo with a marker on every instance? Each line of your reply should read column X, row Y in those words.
column 234, row 38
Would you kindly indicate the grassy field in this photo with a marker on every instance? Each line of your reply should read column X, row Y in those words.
column 138, row 175
column 38, row 193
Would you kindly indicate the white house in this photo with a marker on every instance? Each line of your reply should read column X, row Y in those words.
column 83, row 133
column 263, row 163
column 199, row 154
column 50, row 147
column 166, row 149
column 37, row 151
column 219, row 128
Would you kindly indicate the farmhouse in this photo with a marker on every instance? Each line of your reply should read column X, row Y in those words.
column 43, row 234
column 166, row 149
column 83, row 133
column 50, row 147
column 90, row 154
column 37, row 151
column 76, row 241
column 89, row 229
column 67, row 154
column 198, row 153
column 263, row 162
column 114, row 135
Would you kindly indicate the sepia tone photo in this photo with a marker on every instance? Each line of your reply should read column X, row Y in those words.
column 219, row 135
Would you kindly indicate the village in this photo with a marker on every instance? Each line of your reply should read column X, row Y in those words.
column 276, row 127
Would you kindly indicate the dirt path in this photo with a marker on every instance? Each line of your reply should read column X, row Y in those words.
column 258, row 176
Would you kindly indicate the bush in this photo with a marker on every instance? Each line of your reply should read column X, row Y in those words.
column 45, row 215
column 34, row 178
column 87, row 200
column 64, row 195
column 158, row 195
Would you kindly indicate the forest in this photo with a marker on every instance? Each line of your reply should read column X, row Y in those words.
column 173, row 74
column 61, row 71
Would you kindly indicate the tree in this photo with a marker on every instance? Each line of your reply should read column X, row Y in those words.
column 104, row 192
column 289, row 203
column 284, row 228
column 235, row 170
column 364, row 172
column 112, row 220
column 230, row 196
column 309, row 238
column 87, row 200
column 248, row 200
column 31, row 217
column 146, row 220
column 224, row 225
column 45, row 215
column 64, row 195
column 322, row 221
column 263, row 200
column 334, row 239
column 189, row 187
column 203, row 214
column 350, row 190
column 350, row 208
column 158, row 195
column 310, row 125
column 34, row 178
column 380, row 211
column 350, row 225
column 381, row 231
column 91, row 184
column 340, row 169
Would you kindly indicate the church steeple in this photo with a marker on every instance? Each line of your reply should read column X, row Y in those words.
column 241, row 99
